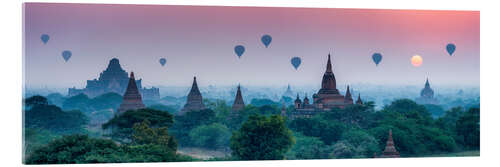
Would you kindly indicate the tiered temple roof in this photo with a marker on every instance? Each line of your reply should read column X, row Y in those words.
column 194, row 99
column 238, row 104
column 132, row 99
column 390, row 150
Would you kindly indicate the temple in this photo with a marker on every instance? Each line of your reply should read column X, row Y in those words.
column 359, row 101
column 328, row 97
column 132, row 99
column 113, row 79
column 427, row 95
column 194, row 100
column 390, row 150
column 238, row 104
column 288, row 92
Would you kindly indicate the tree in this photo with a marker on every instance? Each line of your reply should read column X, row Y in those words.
column 74, row 149
column 213, row 136
column 327, row 131
column 144, row 134
column 190, row 120
column 308, row 148
column 363, row 143
column 50, row 117
column 35, row 101
column 468, row 128
column 262, row 138
column 121, row 125
column 410, row 110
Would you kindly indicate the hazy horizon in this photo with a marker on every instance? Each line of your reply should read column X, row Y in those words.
column 199, row 41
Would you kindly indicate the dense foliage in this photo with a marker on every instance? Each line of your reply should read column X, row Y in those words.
column 121, row 125
column 262, row 138
column 256, row 132
column 148, row 145
column 41, row 115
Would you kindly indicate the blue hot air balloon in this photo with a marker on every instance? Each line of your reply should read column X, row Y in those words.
column 239, row 50
column 377, row 57
column 45, row 38
column 296, row 62
column 163, row 61
column 450, row 48
column 266, row 40
column 66, row 55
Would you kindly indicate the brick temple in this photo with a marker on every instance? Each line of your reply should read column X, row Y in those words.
column 132, row 99
column 328, row 97
column 194, row 99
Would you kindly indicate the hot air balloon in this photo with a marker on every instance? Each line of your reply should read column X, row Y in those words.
column 45, row 38
column 450, row 48
column 239, row 50
column 266, row 40
column 163, row 61
column 296, row 62
column 377, row 57
column 66, row 55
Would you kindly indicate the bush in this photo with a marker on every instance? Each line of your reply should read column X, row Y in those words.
column 262, row 138
column 213, row 136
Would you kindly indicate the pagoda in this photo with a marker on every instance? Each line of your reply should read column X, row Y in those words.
column 427, row 95
column 390, row 150
column 328, row 96
column 359, row 101
column 132, row 99
column 238, row 104
column 194, row 100
column 288, row 92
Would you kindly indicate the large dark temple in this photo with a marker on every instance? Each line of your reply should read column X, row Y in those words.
column 328, row 96
column 113, row 79
column 427, row 95
column 194, row 99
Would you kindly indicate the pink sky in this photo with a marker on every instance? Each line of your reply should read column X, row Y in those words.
column 199, row 41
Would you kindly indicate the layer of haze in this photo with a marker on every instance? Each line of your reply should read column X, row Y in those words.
column 200, row 40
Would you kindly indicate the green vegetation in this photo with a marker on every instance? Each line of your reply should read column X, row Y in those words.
column 41, row 115
column 262, row 138
column 122, row 125
column 154, row 134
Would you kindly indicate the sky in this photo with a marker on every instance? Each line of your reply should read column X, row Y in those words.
column 199, row 41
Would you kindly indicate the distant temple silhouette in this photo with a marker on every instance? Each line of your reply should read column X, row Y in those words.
column 238, row 104
column 328, row 97
column 427, row 95
column 288, row 92
column 194, row 99
column 113, row 79
column 132, row 99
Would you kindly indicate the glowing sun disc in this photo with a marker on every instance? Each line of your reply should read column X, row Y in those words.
column 416, row 60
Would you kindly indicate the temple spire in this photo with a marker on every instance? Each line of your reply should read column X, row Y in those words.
column 194, row 99
column 238, row 104
column 132, row 99
column 427, row 83
column 359, row 100
column 329, row 65
column 390, row 150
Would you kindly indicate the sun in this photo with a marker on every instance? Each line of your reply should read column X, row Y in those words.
column 416, row 60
